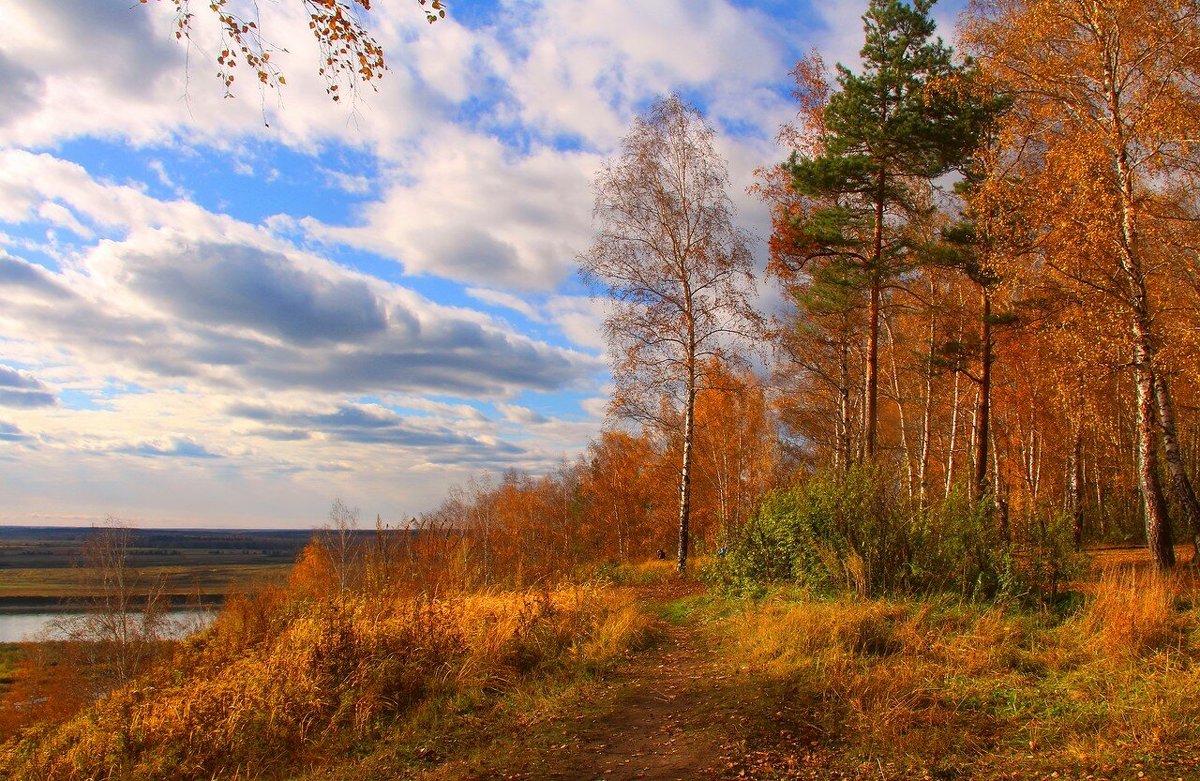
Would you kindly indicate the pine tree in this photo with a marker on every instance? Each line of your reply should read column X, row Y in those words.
column 886, row 134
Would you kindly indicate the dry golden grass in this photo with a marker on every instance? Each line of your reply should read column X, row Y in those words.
column 280, row 680
column 642, row 573
column 290, row 677
column 975, row 689
column 1133, row 612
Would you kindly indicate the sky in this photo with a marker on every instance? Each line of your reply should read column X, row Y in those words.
column 228, row 312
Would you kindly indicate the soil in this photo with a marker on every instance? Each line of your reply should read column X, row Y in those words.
column 656, row 718
column 675, row 711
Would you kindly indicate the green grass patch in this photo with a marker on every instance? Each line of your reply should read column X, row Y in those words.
column 10, row 658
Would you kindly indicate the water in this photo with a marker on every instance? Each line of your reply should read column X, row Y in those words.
column 20, row 627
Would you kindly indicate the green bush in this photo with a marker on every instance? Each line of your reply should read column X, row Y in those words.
column 858, row 533
column 960, row 547
column 827, row 535
column 1045, row 557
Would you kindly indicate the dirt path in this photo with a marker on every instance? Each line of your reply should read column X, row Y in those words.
column 671, row 713
column 679, row 711
column 664, row 722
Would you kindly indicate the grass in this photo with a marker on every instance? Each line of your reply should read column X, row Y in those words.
column 939, row 688
column 293, row 685
column 642, row 573
column 460, row 735
column 10, row 657
column 282, row 681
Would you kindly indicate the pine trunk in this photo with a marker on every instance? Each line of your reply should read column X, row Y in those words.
column 871, row 413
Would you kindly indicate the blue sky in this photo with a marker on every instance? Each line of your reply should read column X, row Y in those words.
column 228, row 312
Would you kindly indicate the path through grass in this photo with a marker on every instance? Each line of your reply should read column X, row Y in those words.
column 795, row 689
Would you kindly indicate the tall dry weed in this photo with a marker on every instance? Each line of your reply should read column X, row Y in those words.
column 1133, row 613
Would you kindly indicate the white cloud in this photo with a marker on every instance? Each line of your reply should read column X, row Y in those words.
column 578, row 67
column 57, row 214
column 232, row 375
column 111, row 68
column 597, row 406
column 505, row 300
column 522, row 416
column 182, row 323
column 581, row 319
column 161, row 306
column 355, row 184
column 469, row 209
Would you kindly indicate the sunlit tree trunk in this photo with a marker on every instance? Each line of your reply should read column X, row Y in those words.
column 971, row 448
column 1154, row 505
column 844, row 408
column 1075, row 485
column 953, row 435
column 927, row 410
column 899, row 399
column 685, row 477
column 871, row 407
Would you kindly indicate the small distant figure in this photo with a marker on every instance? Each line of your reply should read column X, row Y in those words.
column 721, row 553
column 661, row 555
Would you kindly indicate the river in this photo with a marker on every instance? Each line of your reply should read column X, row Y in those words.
column 20, row 627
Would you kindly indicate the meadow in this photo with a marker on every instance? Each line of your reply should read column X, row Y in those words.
column 634, row 672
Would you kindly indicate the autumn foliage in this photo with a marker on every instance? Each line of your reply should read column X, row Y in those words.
column 289, row 674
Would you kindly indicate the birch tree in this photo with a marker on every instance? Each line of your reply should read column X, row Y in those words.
column 349, row 51
column 1105, row 111
column 677, row 270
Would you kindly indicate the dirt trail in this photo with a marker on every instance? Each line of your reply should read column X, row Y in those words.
column 664, row 723
column 669, row 713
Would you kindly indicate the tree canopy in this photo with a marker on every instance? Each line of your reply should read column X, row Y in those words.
column 884, row 135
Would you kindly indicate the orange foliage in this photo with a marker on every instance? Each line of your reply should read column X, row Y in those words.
column 737, row 450
column 49, row 686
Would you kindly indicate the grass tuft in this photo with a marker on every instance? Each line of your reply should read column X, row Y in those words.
column 1134, row 613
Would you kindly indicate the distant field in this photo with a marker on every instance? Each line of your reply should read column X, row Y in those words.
column 39, row 567
column 37, row 548
column 9, row 656
column 54, row 584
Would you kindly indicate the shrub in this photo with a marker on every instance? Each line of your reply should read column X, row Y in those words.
column 827, row 535
column 858, row 534
column 958, row 547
